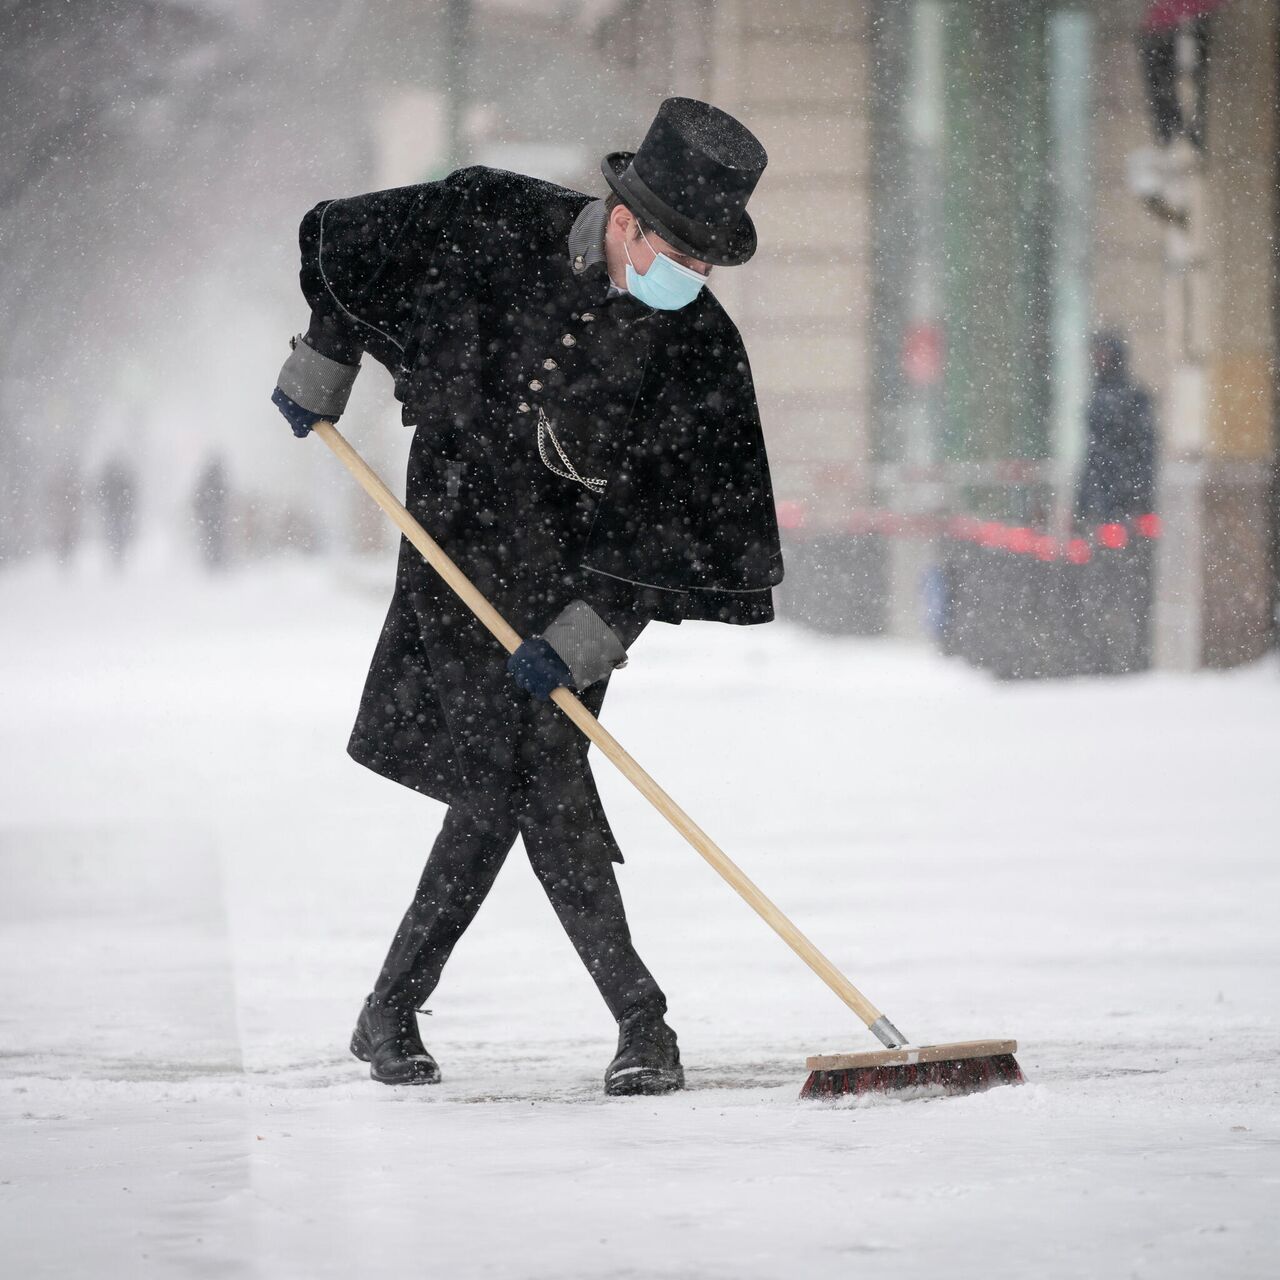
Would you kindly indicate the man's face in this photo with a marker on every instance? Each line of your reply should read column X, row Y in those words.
column 644, row 248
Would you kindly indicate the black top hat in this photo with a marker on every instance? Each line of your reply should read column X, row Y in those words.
column 691, row 179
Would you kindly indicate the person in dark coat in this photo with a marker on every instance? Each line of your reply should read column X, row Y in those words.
column 1117, row 485
column 587, row 448
column 209, row 507
column 1117, row 481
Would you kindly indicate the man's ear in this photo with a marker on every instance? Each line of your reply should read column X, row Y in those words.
column 625, row 221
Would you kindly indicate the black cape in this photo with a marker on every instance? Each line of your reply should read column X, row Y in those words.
column 689, row 507
column 464, row 290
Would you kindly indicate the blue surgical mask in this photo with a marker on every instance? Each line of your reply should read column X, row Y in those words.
column 666, row 286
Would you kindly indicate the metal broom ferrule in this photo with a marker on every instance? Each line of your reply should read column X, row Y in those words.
column 887, row 1033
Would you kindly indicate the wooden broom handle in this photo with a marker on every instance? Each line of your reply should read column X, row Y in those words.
column 506, row 636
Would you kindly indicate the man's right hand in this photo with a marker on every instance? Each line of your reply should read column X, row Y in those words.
column 300, row 419
column 310, row 378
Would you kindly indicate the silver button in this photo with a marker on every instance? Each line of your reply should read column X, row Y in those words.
column 580, row 263
column 522, row 407
column 568, row 340
column 549, row 363
column 534, row 385
column 588, row 316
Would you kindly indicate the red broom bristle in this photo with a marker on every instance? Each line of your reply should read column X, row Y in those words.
column 950, row 1076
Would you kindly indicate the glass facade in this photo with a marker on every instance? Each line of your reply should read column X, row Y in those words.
column 981, row 193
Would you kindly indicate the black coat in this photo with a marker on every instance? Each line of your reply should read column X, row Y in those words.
column 464, row 290
column 1118, row 478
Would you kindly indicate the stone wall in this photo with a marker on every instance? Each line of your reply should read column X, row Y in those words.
column 797, row 74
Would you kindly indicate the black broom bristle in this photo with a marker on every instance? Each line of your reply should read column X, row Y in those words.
column 948, row 1076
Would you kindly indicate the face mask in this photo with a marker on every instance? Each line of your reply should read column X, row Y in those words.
column 666, row 286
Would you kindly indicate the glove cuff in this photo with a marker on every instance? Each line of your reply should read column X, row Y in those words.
column 587, row 645
column 316, row 383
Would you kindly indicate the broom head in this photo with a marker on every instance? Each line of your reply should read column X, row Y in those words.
column 968, row 1067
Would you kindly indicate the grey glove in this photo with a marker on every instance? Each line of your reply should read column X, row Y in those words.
column 587, row 645
column 311, row 387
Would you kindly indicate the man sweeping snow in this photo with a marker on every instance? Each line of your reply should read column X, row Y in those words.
column 588, row 451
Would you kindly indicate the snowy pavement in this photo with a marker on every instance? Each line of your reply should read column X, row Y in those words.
column 198, row 886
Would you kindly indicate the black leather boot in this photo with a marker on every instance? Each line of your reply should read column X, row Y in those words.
column 648, row 1058
column 387, row 1038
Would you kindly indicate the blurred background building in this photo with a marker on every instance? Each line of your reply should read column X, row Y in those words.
column 960, row 193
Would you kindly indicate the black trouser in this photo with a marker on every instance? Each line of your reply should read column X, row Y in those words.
column 469, row 851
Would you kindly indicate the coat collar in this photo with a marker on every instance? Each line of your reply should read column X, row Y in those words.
column 586, row 237
column 587, row 260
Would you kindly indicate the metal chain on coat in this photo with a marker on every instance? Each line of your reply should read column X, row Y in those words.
column 544, row 430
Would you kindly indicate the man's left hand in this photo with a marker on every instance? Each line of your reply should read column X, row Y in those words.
column 538, row 669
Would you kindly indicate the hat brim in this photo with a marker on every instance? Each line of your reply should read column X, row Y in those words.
column 742, row 242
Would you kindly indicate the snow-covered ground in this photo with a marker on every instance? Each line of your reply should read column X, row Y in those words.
column 198, row 886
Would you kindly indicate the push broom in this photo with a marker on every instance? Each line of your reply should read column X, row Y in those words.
column 965, row 1067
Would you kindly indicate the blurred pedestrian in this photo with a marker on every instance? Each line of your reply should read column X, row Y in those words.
column 117, row 498
column 1117, row 482
column 209, row 506
column 1117, row 486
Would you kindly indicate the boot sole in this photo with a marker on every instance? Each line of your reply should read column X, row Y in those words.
column 360, row 1050
column 646, row 1081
